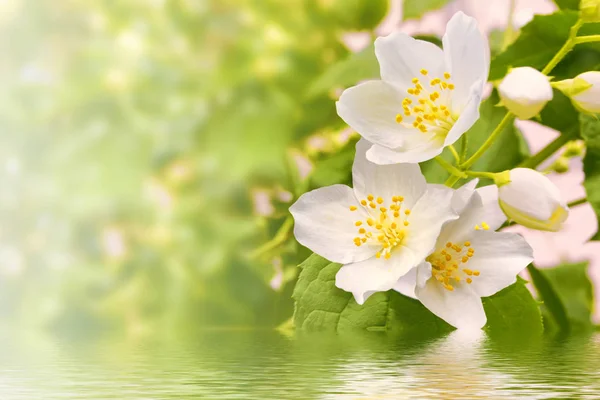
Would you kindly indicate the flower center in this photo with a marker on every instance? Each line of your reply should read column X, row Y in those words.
column 448, row 265
column 426, row 107
column 386, row 226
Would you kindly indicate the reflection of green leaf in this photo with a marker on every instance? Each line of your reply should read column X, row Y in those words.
column 567, row 294
column 355, row 68
column 416, row 8
column 590, row 130
column 321, row 306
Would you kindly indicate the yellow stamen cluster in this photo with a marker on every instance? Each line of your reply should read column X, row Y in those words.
column 386, row 225
column 422, row 109
column 483, row 226
column 446, row 264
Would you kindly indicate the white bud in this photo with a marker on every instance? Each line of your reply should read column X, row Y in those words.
column 525, row 91
column 584, row 91
column 531, row 199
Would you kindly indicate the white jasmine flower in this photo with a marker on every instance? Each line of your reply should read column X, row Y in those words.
column 525, row 91
column 470, row 261
column 426, row 98
column 531, row 199
column 491, row 209
column 380, row 229
column 584, row 91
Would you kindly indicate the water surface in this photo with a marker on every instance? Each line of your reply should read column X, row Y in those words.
column 262, row 364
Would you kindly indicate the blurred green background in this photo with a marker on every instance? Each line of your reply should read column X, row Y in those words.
column 150, row 150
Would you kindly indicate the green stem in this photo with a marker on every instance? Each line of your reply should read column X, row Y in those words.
column 587, row 39
column 463, row 148
column 577, row 202
column 450, row 168
column 535, row 160
column 478, row 174
column 454, row 153
column 279, row 238
column 489, row 141
column 551, row 148
column 571, row 41
column 451, row 181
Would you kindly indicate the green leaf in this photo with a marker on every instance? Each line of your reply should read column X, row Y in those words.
column 360, row 14
column 567, row 294
column 552, row 303
column 507, row 150
column 567, row 4
column 590, row 131
column 336, row 168
column 513, row 311
column 560, row 114
column 541, row 39
column 321, row 306
column 416, row 8
column 355, row 68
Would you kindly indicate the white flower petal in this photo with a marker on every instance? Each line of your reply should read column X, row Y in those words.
column 468, row 116
column 462, row 195
column 531, row 193
column 524, row 91
column 589, row 99
column 364, row 278
column 432, row 211
column 461, row 229
column 384, row 156
column 386, row 180
column 492, row 211
column 406, row 284
column 467, row 56
column 461, row 308
column 370, row 109
column 401, row 58
column 325, row 224
column 499, row 257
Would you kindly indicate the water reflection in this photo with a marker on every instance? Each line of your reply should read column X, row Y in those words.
column 267, row 365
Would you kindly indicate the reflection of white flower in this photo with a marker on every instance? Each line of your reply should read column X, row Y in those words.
column 470, row 261
column 532, row 200
column 427, row 97
column 525, row 91
column 380, row 229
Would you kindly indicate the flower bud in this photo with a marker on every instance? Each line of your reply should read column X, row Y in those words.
column 530, row 199
column 574, row 148
column 584, row 91
column 590, row 10
column 525, row 91
column 561, row 165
